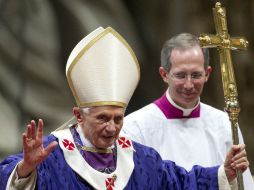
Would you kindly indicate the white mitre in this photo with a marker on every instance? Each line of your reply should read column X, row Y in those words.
column 102, row 70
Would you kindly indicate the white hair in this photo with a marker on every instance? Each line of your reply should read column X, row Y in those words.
column 85, row 110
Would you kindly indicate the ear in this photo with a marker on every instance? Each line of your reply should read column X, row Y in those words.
column 208, row 72
column 77, row 113
column 164, row 74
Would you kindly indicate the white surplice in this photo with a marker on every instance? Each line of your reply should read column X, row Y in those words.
column 201, row 140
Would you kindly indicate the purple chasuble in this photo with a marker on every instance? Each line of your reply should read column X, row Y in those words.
column 172, row 112
column 150, row 172
column 103, row 162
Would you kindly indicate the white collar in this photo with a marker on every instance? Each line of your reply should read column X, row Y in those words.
column 186, row 112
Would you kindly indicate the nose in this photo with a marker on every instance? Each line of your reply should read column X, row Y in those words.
column 188, row 83
column 111, row 126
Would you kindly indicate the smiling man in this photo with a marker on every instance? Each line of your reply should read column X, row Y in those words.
column 91, row 153
column 186, row 76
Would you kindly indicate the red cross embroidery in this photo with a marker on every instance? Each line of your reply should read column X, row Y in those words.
column 125, row 143
column 110, row 183
column 68, row 144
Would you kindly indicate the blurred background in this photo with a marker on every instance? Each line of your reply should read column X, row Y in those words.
column 37, row 36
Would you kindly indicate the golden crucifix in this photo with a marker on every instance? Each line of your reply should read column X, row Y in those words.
column 224, row 43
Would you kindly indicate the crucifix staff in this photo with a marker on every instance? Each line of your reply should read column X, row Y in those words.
column 224, row 44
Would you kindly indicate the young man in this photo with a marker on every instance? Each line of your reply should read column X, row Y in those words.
column 90, row 154
column 178, row 125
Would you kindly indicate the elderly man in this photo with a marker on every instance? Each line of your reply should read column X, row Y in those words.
column 91, row 153
column 178, row 125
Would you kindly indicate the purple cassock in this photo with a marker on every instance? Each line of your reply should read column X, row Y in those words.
column 130, row 166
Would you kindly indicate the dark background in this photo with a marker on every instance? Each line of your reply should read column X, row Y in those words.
column 37, row 36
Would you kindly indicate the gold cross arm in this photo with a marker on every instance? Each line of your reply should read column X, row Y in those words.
column 211, row 41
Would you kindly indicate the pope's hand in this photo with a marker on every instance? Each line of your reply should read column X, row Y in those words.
column 33, row 149
column 236, row 160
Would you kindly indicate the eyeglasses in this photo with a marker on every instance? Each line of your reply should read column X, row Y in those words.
column 183, row 77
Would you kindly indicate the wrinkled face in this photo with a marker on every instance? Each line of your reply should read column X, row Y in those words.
column 102, row 125
column 187, row 76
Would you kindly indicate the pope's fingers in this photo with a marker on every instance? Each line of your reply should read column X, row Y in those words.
column 40, row 122
column 50, row 147
column 239, row 155
column 33, row 133
column 28, row 131
column 235, row 149
column 239, row 161
column 25, row 141
column 32, row 123
column 39, row 132
column 238, row 148
column 242, row 166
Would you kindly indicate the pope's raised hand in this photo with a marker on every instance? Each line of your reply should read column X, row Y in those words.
column 33, row 149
